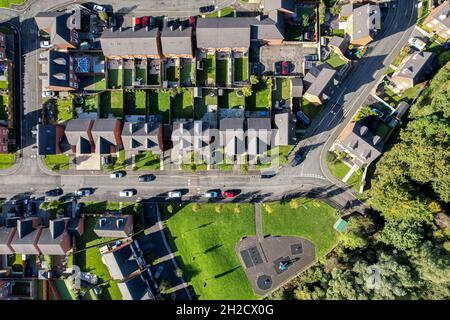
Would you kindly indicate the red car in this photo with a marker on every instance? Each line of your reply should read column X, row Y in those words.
column 285, row 68
column 228, row 194
column 144, row 22
column 137, row 22
column 192, row 22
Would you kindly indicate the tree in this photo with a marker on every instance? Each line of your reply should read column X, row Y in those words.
column 268, row 208
column 305, row 20
column 247, row 91
column 364, row 113
column 103, row 16
column 170, row 208
column 254, row 80
column 164, row 285
column 53, row 207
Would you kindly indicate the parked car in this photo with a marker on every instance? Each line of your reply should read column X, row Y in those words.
column 228, row 194
column 89, row 278
column 48, row 94
column 174, row 194
column 277, row 68
column 128, row 193
column 46, row 44
column 303, row 117
column 284, row 68
column 211, row 194
column 311, row 57
column 144, row 21
column 54, row 193
column 192, row 22
column 297, row 159
column 268, row 174
column 417, row 43
column 112, row 22
column 255, row 68
column 99, row 8
column 151, row 22
column 116, row 175
column 83, row 192
column 206, row 9
column 136, row 22
column 146, row 178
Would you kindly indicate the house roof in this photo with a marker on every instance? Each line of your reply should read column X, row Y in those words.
column 6, row 234
column 232, row 124
column 57, row 68
column 339, row 42
column 363, row 21
column 26, row 235
column 285, row 129
column 46, row 136
column 104, row 125
column 176, row 41
column 50, row 241
column 441, row 13
column 321, row 81
column 259, row 123
column 413, row 64
column 121, row 262
column 78, row 125
column 270, row 5
column 139, row 287
column 58, row 25
column 141, row 135
column 129, row 42
column 297, row 87
column 223, row 32
column 112, row 226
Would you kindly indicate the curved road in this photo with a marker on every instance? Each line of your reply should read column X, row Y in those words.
column 310, row 178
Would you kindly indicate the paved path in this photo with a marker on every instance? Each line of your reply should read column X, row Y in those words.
column 258, row 222
column 350, row 172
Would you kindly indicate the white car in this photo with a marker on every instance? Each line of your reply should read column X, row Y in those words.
column 127, row 193
column 116, row 175
column 417, row 43
column 46, row 44
column 174, row 194
column 99, row 8
column 211, row 195
column 83, row 192
column 48, row 94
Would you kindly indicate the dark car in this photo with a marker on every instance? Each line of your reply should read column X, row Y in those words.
column 54, row 193
column 206, row 9
column 151, row 22
column 146, row 178
column 297, row 159
column 268, row 175
column 277, row 68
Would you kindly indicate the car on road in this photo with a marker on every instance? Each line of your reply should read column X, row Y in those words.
column 228, row 194
column 303, row 117
column 146, row 178
column 117, row 175
column 206, row 9
column 83, row 192
column 127, row 193
column 144, row 22
column 54, row 193
column 297, row 159
column 48, row 94
column 211, row 194
column 174, row 194
column 268, row 174
column 284, row 68
column 99, row 8
column 417, row 43
column 46, row 44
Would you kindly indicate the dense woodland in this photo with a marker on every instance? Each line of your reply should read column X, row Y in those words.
column 408, row 236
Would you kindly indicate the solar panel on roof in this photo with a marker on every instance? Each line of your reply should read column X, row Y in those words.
column 82, row 65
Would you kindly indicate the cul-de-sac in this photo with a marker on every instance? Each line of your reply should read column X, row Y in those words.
column 225, row 150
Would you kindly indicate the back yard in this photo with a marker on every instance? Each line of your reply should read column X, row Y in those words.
column 63, row 110
column 114, row 78
column 135, row 102
column 111, row 102
column 229, row 99
column 222, row 72
column 260, row 100
column 240, row 69
column 160, row 104
column 182, row 106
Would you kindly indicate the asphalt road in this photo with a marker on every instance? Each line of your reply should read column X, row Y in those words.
column 311, row 177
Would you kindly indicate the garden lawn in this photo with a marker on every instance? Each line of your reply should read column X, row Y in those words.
column 88, row 258
column 8, row 3
column 15, row 261
column 309, row 109
column 160, row 104
column 230, row 100
column 313, row 220
column 64, row 110
column 56, row 162
column 204, row 243
column 4, row 107
column 335, row 61
column 142, row 75
column 146, row 161
column 338, row 32
column 111, row 102
column 127, row 77
column 210, row 65
column 182, row 106
column 240, row 69
column 338, row 169
column 260, row 98
column 114, row 78
column 226, row 12
column 135, row 102
column 355, row 180
column 64, row 289
column 222, row 73
column 90, row 103
column 283, row 91
column 186, row 72
column 99, row 83
column 173, row 73
column 7, row 160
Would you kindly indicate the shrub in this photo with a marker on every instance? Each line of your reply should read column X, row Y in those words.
column 330, row 157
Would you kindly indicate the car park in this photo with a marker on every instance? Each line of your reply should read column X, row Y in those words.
column 116, row 175
column 211, row 194
column 174, row 194
column 127, row 193
column 146, row 178
column 228, row 194
column 54, row 193
column 83, row 192
column 46, row 44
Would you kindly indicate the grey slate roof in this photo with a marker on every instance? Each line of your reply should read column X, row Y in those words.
column 322, row 82
column 57, row 68
column 113, row 226
column 232, row 131
column 259, row 133
column 284, row 129
column 142, row 136
column 223, row 32
column 52, row 237
column 56, row 25
column 297, row 87
column 121, row 262
column 442, row 14
column 339, row 42
column 140, row 287
column 270, row 5
column 77, row 134
column 176, row 41
column 103, row 134
column 414, row 64
column 127, row 42
column 363, row 21
column 46, row 136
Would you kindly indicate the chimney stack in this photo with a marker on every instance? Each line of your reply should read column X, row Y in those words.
column 146, row 127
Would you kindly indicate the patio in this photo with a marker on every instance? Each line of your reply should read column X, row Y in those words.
column 154, row 72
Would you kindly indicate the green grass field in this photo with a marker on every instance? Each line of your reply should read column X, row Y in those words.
column 127, row 77
column 135, row 102
column 114, row 78
column 88, row 258
column 230, row 100
column 142, row 75
column 260, row 99
column 283, row 91
column 204, row 242
column 338, row 169
column 222, row 73
column 57, row 162
column 147, row 161
column 7, row 160
column 186, row 72
column 90, row 103
column 8, row 3
column 335, row 61
column 240, row 69
column 160, row 104
column 64, row 110
column 312, row 220
column 4, row 107
column 210, row 66
column 111, row 102
column 182, row 106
